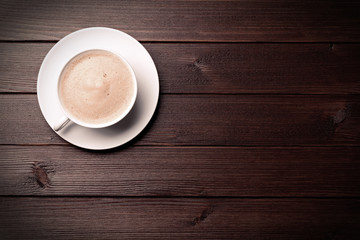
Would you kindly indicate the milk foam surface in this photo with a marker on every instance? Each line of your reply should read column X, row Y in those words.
column 96, row 87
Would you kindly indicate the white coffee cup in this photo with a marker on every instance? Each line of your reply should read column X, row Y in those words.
column 68, row 116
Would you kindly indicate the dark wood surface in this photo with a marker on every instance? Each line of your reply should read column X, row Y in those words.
column 234, row 68
column 181, row 171
column 186, row 20
column 230, row 120
column 256, row 135
column 179, row 218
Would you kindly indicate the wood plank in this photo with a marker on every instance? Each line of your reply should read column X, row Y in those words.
column 20, row 64
column 196, row 20
column 258, row 68
column 212, row 120
column 139, row 218
column 181, row 171
column 218, row 68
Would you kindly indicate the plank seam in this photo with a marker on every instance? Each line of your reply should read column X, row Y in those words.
column 198, row 42
column 228, row 94
column 181, row 197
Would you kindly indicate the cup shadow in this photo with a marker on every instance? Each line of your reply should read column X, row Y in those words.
column 124, row 124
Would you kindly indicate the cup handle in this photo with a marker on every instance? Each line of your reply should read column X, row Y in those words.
column 61, row 123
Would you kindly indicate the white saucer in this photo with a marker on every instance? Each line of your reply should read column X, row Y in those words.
column 146, row 76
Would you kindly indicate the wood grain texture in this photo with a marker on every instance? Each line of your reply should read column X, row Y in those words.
column 256, row 135
column 195, row 20
column 212, row 120
column 139, row 218
column 180, row 171
column 218, row 68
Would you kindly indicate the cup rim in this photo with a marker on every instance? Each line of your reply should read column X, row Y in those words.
column 109, row 123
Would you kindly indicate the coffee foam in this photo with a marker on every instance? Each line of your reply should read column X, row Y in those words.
column 96, row 87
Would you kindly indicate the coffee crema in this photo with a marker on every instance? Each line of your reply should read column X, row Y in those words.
column 96, row 87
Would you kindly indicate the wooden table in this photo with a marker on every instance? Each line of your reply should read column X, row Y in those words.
column 256, row 135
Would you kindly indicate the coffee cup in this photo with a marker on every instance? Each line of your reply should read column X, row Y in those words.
column 96, row 89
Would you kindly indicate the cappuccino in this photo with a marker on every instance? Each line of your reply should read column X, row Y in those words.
column 96, row 87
